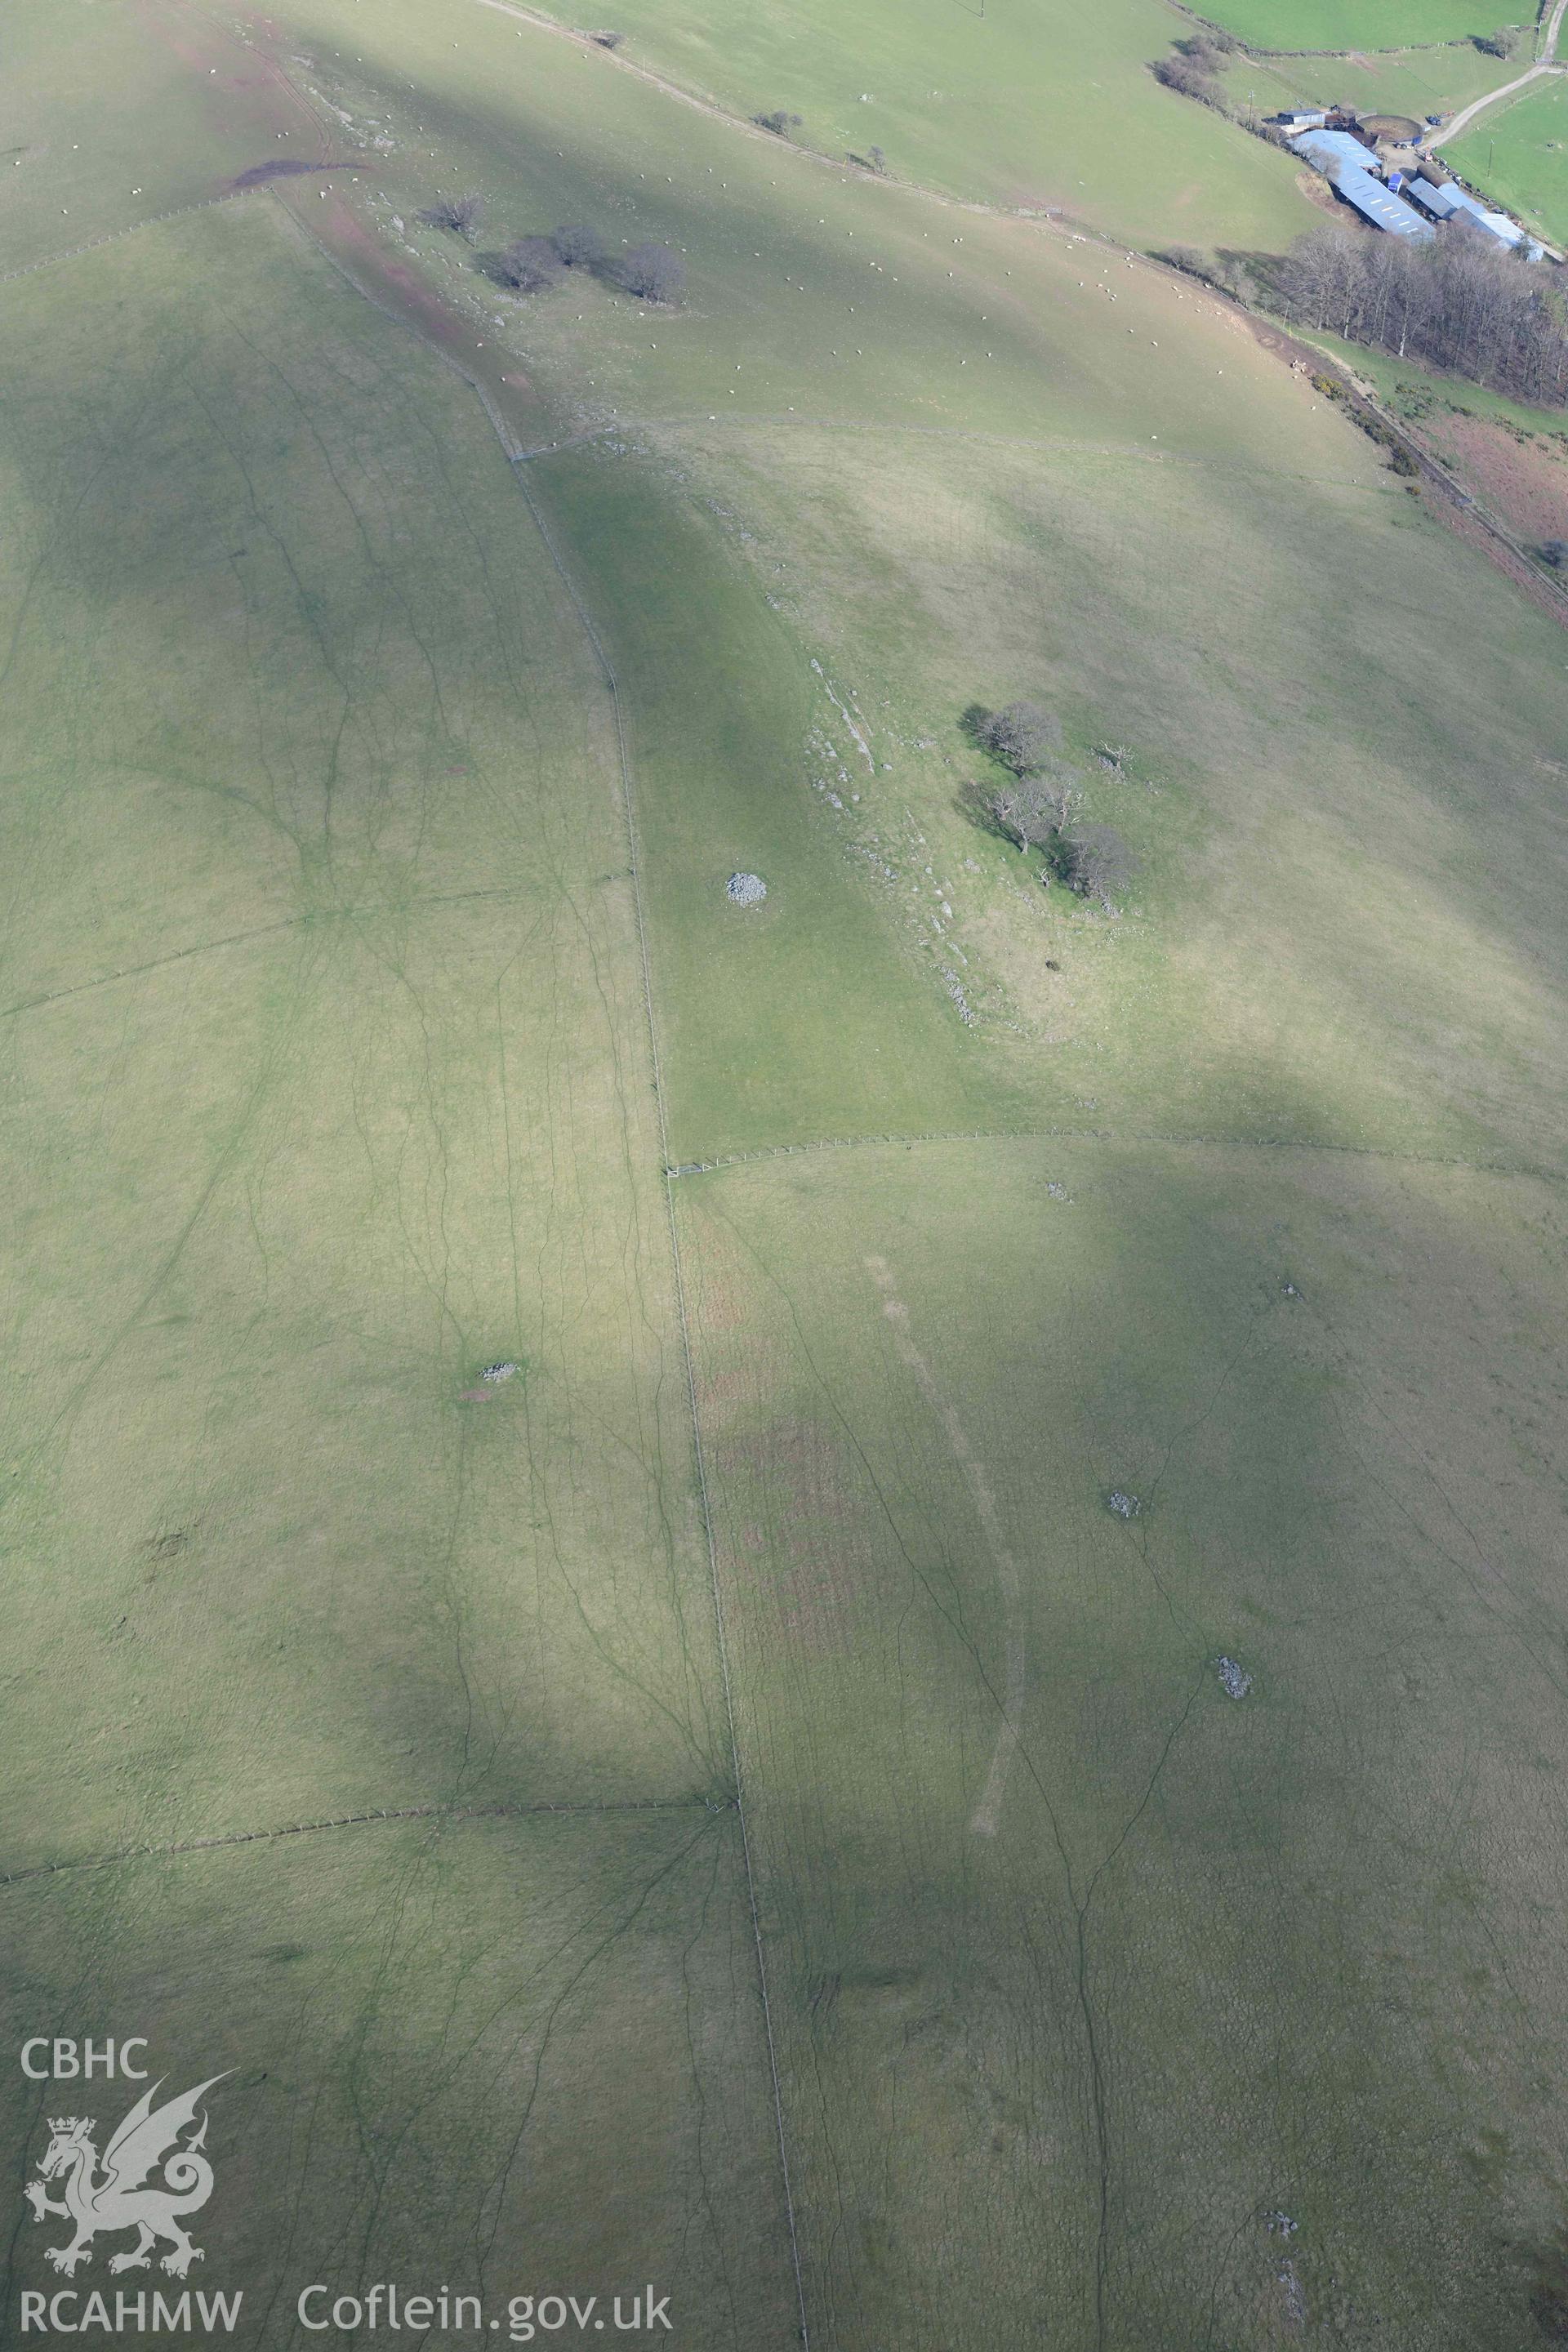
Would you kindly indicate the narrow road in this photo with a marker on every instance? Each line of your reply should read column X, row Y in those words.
column 1462, row 120
column 1548, row 45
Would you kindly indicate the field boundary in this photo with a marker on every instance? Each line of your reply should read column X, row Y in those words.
column 113, row 235
column 1189, row 1141
column 357, row 1821
column 511, row 451
column 1059, row 445
column 698, row 1459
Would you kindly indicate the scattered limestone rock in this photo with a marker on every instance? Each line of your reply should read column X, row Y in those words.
column 496, row 1372
column 746, row 889
column 1236, row 1683
column 1126, row 1506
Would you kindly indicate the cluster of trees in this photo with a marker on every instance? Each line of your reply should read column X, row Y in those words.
column 1036, row 802
column 1456, row 302
column 780, row 123
column 532, row 264
column 1195, row 66
column 1503, row 43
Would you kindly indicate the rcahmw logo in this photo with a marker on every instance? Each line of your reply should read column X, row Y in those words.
column 153, row 2176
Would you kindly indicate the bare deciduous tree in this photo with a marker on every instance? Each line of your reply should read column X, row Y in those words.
column 780, row 123
column 578, row 246
column 1094, row 860
column 1030, row 812
column 460, row 214
column 1022, row 736
column 654, row 273
column 530, row 265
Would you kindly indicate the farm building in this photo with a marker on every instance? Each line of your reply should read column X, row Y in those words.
column 1343, row 159
column 1299, row 118
column 1437, row 201
column 1332, row 152
column 1380, row 206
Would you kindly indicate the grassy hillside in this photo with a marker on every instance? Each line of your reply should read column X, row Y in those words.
column 379, row 735
column 1437, row 79
column 505, row 2058
column 1089, row 1969
column 1350, row 23
column 1049, row 105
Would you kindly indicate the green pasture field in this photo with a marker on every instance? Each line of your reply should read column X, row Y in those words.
column 327, row 1065
column 329, row 1085
column 100, row 126
column 1019, row 107
column 1520, row 155
column 1010, row 428
column 1253, row 985
column 508, row 2058
column 1436, row 79
column 1089, row 1972
column 1343, row 24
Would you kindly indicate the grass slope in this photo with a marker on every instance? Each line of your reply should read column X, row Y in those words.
column 327, row 1071
column 507, row 2058
column 1056, row 2029
column 1350, row 23
column 1085, row 1969
column 1048, row 105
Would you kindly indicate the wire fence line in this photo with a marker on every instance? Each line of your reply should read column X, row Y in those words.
column 1110, row 1135
column 355, row 1820
column 628, row 803
column 114, row 236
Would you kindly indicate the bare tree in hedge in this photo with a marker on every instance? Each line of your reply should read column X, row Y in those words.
column 1192, row 78
column 654, row 273
column 460, row 214
column 530, row 265
column 578, row 246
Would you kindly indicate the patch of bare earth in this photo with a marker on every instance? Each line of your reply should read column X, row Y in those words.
column 1525, row 483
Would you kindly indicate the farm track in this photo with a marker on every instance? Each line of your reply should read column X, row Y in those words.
column 368, row 1819
column 1467, row 114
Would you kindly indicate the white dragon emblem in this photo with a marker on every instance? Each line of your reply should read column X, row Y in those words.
column 117, row 2198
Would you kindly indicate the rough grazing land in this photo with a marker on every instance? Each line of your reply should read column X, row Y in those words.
column 833, row 1877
